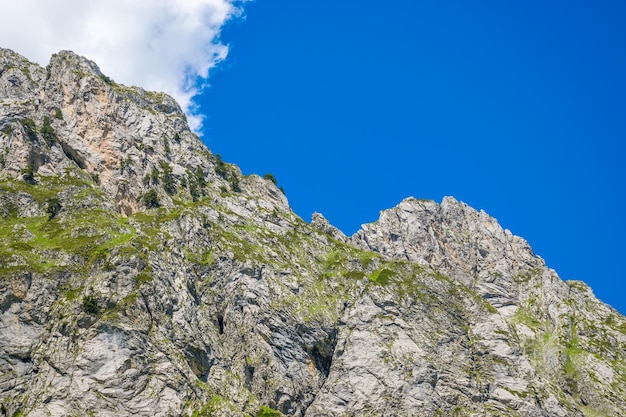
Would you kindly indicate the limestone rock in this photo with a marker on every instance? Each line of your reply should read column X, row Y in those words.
column 319, row 222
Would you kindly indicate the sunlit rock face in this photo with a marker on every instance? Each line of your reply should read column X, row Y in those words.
column 141, row 275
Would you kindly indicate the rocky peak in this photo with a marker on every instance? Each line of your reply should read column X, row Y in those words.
column 128, row 140
column 463, row 243
column 320, row 222
column 451, row 237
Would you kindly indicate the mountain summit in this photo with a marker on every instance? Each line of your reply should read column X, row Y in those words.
column 142, row 275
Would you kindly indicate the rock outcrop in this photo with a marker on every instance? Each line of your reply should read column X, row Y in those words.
column 142, row 275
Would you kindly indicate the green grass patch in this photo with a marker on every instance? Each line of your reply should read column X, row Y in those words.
column 144, row 276
column 381, row 276
column 355, row 274
column 523, row 316
column 72, row 294
column 213, row 406
column 268, row 412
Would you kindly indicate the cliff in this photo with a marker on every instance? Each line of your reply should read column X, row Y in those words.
column 142, row 275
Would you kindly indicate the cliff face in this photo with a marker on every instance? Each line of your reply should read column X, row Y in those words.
column 142, row 275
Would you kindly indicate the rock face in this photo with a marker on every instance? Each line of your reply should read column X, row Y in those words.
column 142, row 275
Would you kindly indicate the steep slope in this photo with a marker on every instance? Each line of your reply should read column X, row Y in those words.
column 142, row 275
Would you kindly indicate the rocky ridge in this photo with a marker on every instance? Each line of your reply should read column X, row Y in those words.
column 142, row 275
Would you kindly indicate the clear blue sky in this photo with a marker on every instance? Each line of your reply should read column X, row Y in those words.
column 517, row 108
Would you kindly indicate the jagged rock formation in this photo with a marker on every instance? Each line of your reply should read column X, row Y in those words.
column 142, row 275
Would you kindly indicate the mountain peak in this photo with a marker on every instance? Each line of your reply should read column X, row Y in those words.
column 74, row 62
column 128, row 140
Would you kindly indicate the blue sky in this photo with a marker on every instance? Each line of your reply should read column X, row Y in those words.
column 517, row 108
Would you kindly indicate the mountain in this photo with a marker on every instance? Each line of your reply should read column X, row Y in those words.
column 142, row 275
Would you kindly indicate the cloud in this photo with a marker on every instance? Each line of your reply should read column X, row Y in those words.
column 161, row 45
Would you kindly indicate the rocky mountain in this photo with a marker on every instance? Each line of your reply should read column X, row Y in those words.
column 142, row 275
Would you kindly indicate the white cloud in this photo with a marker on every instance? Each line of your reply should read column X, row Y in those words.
column 161, row 45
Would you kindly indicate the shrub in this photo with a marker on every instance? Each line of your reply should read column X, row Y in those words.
column 53, row 207
column 58, row 114
column 234, row 183
column 151, row 199
column 270, row 177
column 90, row 305
column 220, row 167
column 154, row 176
column 169, row 185
column 199, row 174
column 193, row 190
column 107, row 80
column 30, row 128
column 47, row 131
column 28, row 174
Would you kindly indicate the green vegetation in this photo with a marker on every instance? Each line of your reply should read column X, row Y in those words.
column 53, row 206
column 125, row 162
column 523, row 316
column 381, row 276
column 578, row 285
column 154, row 176
column 90, row 305
column 144, row 276
column 200, row 176
column 58, row 114
column 8, row 130
column 234, row 184
column 220, row 167
column 194, row 190
column 40, row 241
column 268, row 412
column 47, row 131
column 167, row 178
column 30, row 128
column 107, row 80
column 151, row 199
column 18, row 413
column 270, row 177
column 226, row 172
column 28, row 174
column 196, row 182
column 526, row 276
column 572, row 357
column 215, row 404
